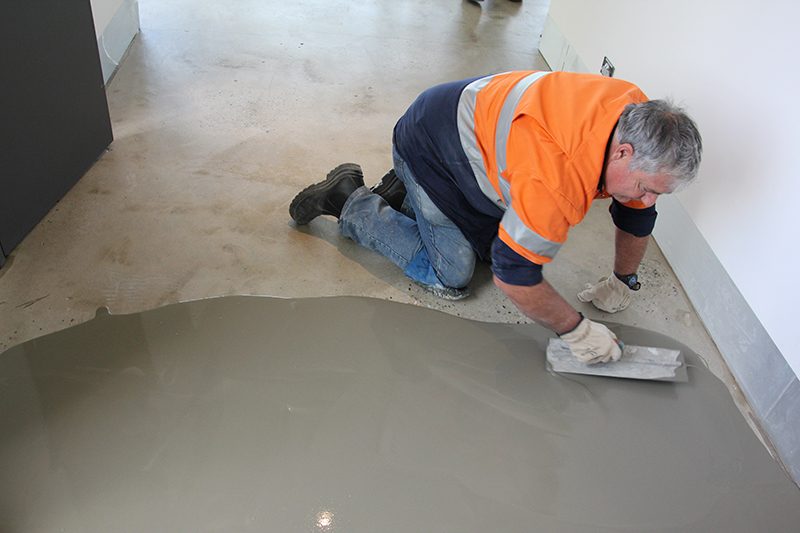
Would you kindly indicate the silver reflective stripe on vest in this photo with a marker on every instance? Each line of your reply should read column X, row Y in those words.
column 511, row 222
column 469, row 142
column 507, row 115
column 516, row 229
column 526, row 237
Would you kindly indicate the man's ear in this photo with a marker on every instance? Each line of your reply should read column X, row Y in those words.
column 622, row 151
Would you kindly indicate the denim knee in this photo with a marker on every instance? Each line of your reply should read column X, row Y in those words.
column 459, row 269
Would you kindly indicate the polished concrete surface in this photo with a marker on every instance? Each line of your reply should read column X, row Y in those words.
column 355, row 414
column 222, row 111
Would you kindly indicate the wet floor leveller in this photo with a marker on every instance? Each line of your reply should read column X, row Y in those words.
column 353, row 414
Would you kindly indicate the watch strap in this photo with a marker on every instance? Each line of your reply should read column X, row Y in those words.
column 631, row 280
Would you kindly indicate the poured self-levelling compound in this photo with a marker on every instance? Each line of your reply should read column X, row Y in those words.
column 360, row 415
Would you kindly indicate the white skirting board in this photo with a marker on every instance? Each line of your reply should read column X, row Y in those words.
column 117, row 37
column 767, row 380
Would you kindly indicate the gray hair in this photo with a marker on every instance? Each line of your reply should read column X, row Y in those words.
column 664, row 140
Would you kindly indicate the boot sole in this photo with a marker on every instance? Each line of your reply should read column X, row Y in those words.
column 304, row 208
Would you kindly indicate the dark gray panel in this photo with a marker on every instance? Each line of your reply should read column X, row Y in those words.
column 55, row 120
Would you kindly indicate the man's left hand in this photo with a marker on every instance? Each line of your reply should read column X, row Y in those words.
column 609, row 294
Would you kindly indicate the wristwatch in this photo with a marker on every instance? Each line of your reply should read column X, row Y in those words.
column 631, row 280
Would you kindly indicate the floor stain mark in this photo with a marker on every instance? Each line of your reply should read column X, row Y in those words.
column 31, row 302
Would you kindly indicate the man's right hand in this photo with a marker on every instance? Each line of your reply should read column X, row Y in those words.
column 592, row 342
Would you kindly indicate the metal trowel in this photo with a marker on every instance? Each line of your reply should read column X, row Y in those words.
column 637, row 362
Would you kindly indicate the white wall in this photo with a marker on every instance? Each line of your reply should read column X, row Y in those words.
column 732, row 64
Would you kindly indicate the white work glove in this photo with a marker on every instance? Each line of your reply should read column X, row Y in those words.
column 592, row 342
column 609, row 294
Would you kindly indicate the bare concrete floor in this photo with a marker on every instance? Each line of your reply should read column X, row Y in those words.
column 223, row 111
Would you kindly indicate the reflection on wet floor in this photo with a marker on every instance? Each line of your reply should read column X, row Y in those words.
column 353, row 414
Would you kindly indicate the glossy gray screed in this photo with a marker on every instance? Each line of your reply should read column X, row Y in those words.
column 361, row 415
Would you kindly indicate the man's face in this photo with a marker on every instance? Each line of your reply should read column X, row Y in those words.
column 626, row 185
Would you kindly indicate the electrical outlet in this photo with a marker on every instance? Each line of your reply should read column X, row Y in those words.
column 608, row 68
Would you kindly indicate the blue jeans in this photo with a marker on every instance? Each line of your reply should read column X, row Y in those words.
column 422, row 241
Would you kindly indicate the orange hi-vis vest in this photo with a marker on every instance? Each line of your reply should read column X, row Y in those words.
column 536, row 143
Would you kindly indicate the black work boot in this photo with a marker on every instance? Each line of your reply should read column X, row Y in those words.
column 327, row 197
column 391, row 189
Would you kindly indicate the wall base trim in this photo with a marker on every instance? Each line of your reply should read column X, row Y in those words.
column 765, row 377
column 117, row 37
